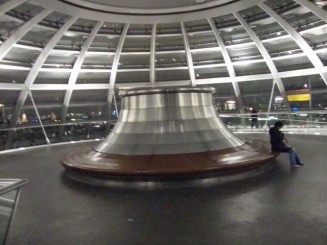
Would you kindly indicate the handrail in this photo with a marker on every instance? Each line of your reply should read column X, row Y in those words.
column 7, row 185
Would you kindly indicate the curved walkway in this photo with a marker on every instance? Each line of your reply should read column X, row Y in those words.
column 279, row 206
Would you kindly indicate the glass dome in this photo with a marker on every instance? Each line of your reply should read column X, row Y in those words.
column 67, row 59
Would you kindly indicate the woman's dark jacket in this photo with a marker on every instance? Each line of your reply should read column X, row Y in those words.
column 276, row 140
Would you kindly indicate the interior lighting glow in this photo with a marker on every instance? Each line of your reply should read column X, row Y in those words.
column 26, row 47
column 69, row 34
column 279, row 99
column 17, row 68
column 288, row 56
column 56, row 70
column 246, row 62
column 278, row 33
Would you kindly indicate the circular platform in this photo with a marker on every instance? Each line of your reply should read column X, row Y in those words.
column 250, row 154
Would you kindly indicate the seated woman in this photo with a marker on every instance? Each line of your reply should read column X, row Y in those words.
column 277, row 141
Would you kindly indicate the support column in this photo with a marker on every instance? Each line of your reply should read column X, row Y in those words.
column 188, row 56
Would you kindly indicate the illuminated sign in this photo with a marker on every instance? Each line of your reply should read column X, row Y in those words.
column 299, row 97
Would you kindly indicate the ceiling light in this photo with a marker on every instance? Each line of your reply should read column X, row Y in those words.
column 322, row 3
column 69, row 34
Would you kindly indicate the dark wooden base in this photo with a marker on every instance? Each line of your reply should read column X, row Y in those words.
column 250, row 154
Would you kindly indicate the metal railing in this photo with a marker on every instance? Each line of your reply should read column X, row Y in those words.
column 26, row 135
column 9, row 196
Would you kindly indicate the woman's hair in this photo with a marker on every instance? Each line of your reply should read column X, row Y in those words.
column 279, row 124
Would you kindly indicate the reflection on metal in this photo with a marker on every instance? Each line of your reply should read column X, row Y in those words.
column 168, row 131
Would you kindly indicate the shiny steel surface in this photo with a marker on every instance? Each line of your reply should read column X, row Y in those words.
column 168, row 121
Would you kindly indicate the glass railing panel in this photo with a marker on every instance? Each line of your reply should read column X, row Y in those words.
column 33, row 135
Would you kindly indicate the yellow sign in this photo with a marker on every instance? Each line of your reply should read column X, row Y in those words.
column 299, row 97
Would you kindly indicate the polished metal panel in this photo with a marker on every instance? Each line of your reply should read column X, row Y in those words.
column 168, row 121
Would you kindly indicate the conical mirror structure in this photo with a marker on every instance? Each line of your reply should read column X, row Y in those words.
column 168, row 131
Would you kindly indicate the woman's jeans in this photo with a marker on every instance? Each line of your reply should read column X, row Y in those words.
column 294, row 158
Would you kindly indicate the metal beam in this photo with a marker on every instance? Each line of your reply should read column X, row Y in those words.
column 188, row 56
column 229, row 65
column 114, row 70
column 266, row 57
column 76, row 69
column 21, row 31
column 312, row 56
column 37, row 66
column 153, row 55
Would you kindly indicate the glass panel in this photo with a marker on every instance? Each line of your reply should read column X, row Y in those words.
column 244, row 52
column 292, row 62
column 8, row 101
column 98, row 60
column 172, row 75
column 164, row 43
column 134, row 61
column 86, row 96
column 197, row 25
column 133, row 76
column 171, row 59
column 137, row 44
column 282, row 46
column 247, row 68
column 207, row 57
column 211, row 72
column 202, row 40
column 22, row 56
